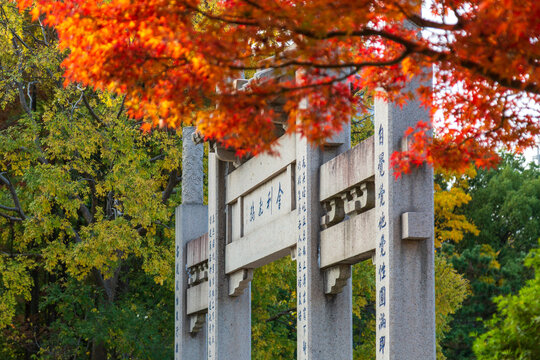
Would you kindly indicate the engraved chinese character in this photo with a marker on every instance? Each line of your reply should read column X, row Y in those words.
column 279, row 194
column 382, row 272
column 380, row 195
column 382, row 243
column 260, row 207
column 269, row 201
column 382, row 222
column 382, row 296
column 381, row 135
column 380, row 166
column 382, row 343
column 252, row 212
column 382, row 321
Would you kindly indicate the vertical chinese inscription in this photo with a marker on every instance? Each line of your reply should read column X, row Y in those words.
column 211, row 284
column 382, row 236
column 177, row 292
column 213, row 208
column 301, row 258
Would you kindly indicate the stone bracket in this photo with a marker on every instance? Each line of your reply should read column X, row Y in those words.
column 335, row 278
column 196, row 322
column 335, row 213
column 239, row 280
column 293, row 253
column 198, row 273
column 416, row 225
column 359, row 198
column 350, row 202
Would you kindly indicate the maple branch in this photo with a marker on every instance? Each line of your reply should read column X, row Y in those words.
column 425, row 23
column 312, row 64
column 413, row 47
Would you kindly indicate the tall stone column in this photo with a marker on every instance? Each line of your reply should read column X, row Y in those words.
column 324, row 322
column 405, row 317
column 190, row 223
column 229, row 318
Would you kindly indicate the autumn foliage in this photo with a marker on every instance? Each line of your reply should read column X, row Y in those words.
column 170, row 57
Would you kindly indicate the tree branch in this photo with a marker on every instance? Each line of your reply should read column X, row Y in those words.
column 14, row 197
column 21, row 254
column 173, row 181
column 121, row 107
column 280, row 314
column 90, row 109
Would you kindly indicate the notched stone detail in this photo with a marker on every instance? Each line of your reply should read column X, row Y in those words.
column 197, row 282
column 198, row 273
column 239, row 280
column 196, row 322
column 350, row 202
column 335, row 279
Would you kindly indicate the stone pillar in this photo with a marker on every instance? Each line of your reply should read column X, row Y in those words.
column 229, row 318
column 324, row 322
column 405, row 316
column 190, row 223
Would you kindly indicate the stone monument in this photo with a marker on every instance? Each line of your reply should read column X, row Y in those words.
column 328, row 208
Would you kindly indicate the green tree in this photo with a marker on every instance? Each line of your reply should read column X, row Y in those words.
column 514, row 332
column 86, row 205
column 505, row 206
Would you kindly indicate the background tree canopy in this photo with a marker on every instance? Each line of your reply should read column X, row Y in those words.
column 86, row 204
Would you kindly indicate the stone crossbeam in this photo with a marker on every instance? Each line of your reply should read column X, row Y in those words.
column 346, row 170
column 349, row 241
column 259, row 169
column 263, row 246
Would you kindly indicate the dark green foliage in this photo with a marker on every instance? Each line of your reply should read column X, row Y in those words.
column 514, row 332
column 505, row 206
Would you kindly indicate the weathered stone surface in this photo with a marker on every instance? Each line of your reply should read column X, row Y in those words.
column 324, row 323
column 188, row 227
column 259, row 169
column 192, row 168
column 404, row 268
column 346, row 170
column 416, row 225
column 336, row 278
column 197, row 250
column 239, row 280
column 197, row 298
column 262, row 246
column 349, row 241
column 229, row 318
